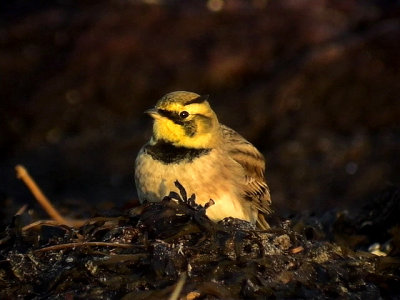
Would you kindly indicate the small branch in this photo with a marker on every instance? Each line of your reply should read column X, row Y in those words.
column 82, row 244
column 178, row 288
column 296, row 250
column 21, row 210
column 40, row 223
column 23, row 174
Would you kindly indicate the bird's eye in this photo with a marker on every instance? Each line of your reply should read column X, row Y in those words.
column 184, row 114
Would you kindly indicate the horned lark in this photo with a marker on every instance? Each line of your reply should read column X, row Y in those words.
column 209, row 159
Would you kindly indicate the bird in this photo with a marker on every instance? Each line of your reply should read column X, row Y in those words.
column 209, row 159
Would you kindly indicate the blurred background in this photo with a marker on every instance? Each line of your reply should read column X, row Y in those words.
column 314, row 84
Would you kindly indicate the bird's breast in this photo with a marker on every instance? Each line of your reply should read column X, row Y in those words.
column 208, row 175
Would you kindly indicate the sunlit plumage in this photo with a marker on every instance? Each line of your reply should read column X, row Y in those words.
column 209, row 159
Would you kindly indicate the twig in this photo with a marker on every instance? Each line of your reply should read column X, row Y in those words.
column 178, row 288
column 23, row 174
column 82, row 244
column 40, row 223
column 297, row 250
column 21, row 210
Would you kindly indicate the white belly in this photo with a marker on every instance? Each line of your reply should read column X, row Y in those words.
column 207, row 177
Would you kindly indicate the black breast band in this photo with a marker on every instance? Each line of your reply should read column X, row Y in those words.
column 168, row 153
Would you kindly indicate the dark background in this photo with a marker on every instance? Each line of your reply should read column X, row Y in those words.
column 313, row 84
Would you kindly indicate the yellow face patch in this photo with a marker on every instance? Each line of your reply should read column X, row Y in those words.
column 193, row 109
column 198, row 130
column 166, row 129
column 171, row 106
column 186, row 120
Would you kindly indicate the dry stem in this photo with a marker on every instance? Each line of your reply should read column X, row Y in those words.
column 178, row 288
column 23, row 174
column 82, row 244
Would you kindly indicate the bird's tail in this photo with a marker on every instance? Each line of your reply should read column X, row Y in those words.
column 261, row 222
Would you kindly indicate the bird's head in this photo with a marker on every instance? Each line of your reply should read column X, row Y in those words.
column 185, row 119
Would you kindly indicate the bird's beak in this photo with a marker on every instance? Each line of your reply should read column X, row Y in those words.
column 152, row 112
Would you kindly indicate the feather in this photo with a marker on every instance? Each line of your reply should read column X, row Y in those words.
column 253, row 164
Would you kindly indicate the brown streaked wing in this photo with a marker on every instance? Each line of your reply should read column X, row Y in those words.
column 253, row 163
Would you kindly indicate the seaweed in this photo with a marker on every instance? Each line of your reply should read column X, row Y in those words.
column 171, row 249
